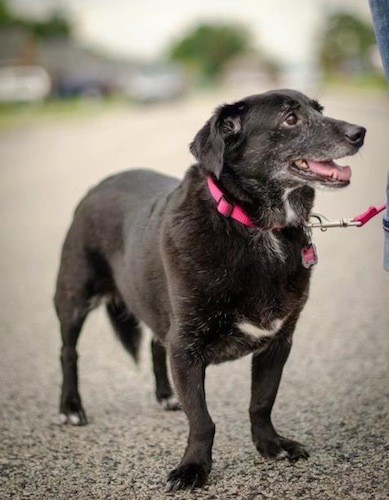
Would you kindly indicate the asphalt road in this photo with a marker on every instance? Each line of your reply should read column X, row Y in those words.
column 334, row 392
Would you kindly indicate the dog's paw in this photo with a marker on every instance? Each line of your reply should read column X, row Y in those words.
column 281, row 447
column 170, row 404
column 294, row 450
column 76, row 418
column 186, row 477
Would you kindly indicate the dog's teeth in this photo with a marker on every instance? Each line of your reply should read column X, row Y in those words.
column 301, row 164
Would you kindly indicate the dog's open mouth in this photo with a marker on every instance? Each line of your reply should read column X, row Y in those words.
column 326, row 172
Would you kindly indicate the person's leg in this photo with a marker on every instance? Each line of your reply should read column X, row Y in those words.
column 380, row 13
column 386, row 229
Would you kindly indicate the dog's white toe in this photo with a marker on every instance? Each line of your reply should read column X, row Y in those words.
column 281, row 455
column 74, row 419
column 71, row 419
column 170, row 404
column 62, row 419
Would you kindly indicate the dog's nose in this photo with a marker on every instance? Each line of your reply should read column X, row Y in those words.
column 355, row 135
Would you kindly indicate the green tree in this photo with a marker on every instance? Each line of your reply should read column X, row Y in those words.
column 346, row 40
column 207, row 48
column 6, row 17
column 58, row 25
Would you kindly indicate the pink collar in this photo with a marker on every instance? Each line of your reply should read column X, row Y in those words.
column 308, row 252
column 229, row 210
column 225, row 208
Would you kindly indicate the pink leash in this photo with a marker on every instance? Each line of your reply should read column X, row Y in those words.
column 369, row 214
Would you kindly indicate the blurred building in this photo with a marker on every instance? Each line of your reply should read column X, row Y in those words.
column 22, row 79
column 17, row 46
column 78, row 71
column 32, row 69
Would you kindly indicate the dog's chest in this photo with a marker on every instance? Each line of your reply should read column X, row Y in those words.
column 257, row 331
column 257, row 315
column 239, row 337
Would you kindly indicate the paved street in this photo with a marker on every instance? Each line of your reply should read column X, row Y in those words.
column 334, row 392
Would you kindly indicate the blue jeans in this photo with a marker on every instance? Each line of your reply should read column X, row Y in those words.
column 380, row 13
column 386, row 230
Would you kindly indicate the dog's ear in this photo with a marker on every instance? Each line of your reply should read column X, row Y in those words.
column 209, row 144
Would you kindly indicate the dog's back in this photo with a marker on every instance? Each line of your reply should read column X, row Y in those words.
column 114, row 204
column 105, row 230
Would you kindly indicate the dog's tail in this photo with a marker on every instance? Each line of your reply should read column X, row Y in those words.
column 126, row 326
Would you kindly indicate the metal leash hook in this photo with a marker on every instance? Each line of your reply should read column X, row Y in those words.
column 358, row 221
column 324, row 223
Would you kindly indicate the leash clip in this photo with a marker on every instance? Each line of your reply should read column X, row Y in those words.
column 324, row 223
column 358, row 221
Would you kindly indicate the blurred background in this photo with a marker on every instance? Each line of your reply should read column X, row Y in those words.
column 92, row 87
column 57, row 54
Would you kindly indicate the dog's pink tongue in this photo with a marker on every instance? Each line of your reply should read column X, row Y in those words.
column 330, row 169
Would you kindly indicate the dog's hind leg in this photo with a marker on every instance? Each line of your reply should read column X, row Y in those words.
column 82, row 280
column 129, row 333
column 164, row 391
column 72, row 308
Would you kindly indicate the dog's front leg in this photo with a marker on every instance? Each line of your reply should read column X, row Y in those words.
column 266, row 375
column 195, row 466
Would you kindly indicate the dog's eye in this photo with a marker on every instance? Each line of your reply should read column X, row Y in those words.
column 291, row 120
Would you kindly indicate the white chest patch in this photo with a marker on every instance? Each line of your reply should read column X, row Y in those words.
column 290, row 213
column 254, row 331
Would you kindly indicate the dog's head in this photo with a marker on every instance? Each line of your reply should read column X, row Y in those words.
column 281, row 135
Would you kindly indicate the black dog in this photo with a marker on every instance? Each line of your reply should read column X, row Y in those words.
column 214, row 280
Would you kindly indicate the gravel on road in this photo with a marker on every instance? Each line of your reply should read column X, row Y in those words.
column 334, row 392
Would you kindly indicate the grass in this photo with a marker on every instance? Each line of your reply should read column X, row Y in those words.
column 21, row 115
column 374, row 83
